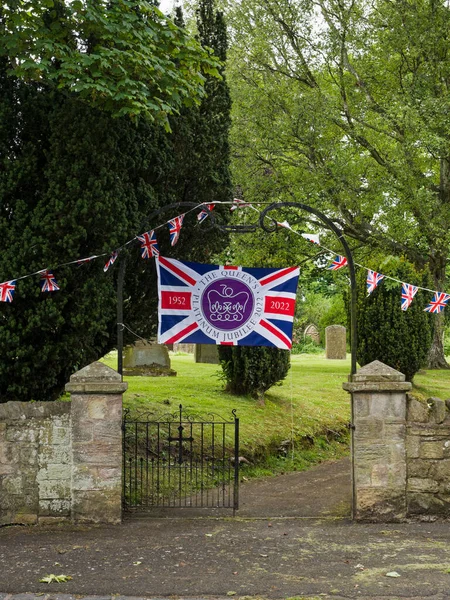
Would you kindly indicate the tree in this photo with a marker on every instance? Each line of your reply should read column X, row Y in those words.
column 346, row 105
column 253, row 370
column 122, row 56
column 76, row 181
column 400, row 339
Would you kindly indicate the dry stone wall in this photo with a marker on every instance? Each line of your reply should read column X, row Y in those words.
column 63, row 460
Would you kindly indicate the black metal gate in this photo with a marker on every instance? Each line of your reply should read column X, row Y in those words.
column 180, row 461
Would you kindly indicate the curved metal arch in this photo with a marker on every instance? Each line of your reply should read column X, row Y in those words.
column 347, row 252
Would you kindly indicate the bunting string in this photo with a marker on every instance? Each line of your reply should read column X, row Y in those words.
column 149, row 249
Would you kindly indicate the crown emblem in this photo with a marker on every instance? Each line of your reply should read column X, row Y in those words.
column 226, row 306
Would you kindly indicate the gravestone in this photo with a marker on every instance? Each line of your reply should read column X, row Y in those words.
column 206, row 353
column 335, row 342
column 146, row 358
column 312, row 332
column 187, row 348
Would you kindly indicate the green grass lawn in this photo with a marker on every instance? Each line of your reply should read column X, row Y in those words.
column 309, row 408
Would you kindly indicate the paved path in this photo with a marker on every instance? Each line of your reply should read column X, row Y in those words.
column 213, row 557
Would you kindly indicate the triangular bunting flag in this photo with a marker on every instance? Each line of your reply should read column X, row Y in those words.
column 373, row 279
column 338, row 263
column 408, row 293
column 312, row 237
column 111, row 261
column 7, row 290
column 149, row 244
column 175, row 226
column 48, row 282
column 203, row 214
column 237, row 203
column 439, row 302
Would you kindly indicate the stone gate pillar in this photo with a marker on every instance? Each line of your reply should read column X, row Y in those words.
column 379, row 468
column 96, row 394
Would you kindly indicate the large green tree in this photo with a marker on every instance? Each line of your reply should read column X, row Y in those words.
column 77, row 180
column 345, row 105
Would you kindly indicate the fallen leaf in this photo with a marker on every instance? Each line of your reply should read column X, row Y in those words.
column 231, row 593
column 264, row 555
column 208, row 534
column 55, row 578
column 392, row 574
column 137, row 562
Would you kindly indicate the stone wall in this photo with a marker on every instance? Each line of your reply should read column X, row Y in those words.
column 428, row 458
column 63, row 460
column 401, row 449
column 35, row 470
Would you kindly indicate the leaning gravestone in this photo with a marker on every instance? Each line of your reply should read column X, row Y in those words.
column 206, row 353
column 146, row 358
column 312, row 332
column 335, row 342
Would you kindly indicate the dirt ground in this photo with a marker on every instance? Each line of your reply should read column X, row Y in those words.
column 292, row 538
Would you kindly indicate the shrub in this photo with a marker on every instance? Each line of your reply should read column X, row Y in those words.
column 253, row 370
column 400, row 339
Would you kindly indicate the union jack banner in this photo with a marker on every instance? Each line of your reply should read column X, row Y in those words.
column 338, row 263
column 203, row 214
column 175, row 226
column 82, row 261
column 373, row 279
column 312, row 237
column 237, row 203
column 149, row 244
column 408, row 293
column 439, row 302
column 234, row 306
column 48, row 282
column 7, row 290
column 111, row 260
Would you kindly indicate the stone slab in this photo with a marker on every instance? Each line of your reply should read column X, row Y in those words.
column 336, row 342
column 206, row 353
column 146, row 354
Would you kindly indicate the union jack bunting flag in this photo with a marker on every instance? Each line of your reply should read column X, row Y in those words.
column 373, row 279
column 175, row 226
column 234, row 306
column 149, row 244
column 203, row 214
column 338, row 263
column 7, row 290
column 408, row 293
column 237, row 203
column 48, row 282
column 312, row 237
column 111, row 260
column 83, row 261
column 439, row 302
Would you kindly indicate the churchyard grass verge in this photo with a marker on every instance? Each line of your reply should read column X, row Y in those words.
column 304, row 420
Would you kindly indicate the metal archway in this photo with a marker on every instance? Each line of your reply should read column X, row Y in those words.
column 347, row 252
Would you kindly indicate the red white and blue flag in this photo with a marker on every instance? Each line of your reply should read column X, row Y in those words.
column 48, row 282
column 7, row 290
column 204, row 213
column 408, row 293
column 111, row 260
column 238, row 203
column 149, row 244
column 373, row 279
column 338, row 263
column 439, row 302
column 235, row 306
column 175, row 226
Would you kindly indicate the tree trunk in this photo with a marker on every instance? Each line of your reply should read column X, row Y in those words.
column 436, row 356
